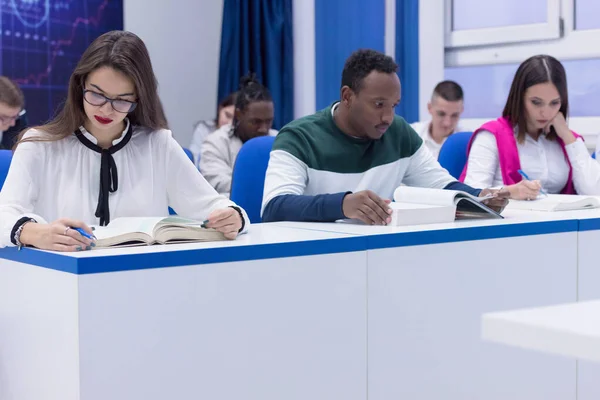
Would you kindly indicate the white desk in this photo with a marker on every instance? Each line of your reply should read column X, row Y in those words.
column 428, row 286
column 568, row 329
column 294, row 311
column 277, row 314
column 588, row 288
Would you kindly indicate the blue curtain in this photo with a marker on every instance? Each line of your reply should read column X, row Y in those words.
column 342, row 27
column 407, row 57
column 257, row 37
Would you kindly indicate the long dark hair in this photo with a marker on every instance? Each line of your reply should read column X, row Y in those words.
column 126, row 53
column 535, row 70
column 226, row 102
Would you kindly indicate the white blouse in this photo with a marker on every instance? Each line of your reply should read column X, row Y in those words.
column 541, row 160
column 61, row 179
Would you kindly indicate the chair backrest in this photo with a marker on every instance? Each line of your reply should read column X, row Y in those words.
column 189, row 153
column 5, row 159
column 453, row 154
column 248, row 180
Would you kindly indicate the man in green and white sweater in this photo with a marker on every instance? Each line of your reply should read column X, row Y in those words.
column 346, row 161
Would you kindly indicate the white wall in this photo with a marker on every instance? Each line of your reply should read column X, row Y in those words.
column 184, row 39
column 304, row 57
column 431, row 52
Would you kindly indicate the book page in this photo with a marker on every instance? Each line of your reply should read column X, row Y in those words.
column 556, row 202
column 437, row 197
column 178, row 221
column 121, row 226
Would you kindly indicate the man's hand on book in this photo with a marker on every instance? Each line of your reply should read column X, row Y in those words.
column 499, row 201
column 225, row 220
column 367, row 207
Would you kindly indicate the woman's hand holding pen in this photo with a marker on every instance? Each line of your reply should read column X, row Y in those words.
column 60, row 235
column 524, row 190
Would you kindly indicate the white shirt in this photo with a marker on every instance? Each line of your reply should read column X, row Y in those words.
column 422, row 128
column 541, row 160
column 201, row 131
column 218, row 155
column 60, row 179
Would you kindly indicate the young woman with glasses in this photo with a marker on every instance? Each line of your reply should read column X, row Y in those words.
column 107, row 154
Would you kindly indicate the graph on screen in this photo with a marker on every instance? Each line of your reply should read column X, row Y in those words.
column 41, row 41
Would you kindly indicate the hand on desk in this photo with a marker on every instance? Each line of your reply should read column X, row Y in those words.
column 499, row 201
column 57, row 236
column 226, row 221
column 524, row 190
column 367, row 207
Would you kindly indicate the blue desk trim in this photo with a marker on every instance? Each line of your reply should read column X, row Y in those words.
column 175, row 258
column 589, row 224
column 55, row 261
column 467, row 234
column 164, row 259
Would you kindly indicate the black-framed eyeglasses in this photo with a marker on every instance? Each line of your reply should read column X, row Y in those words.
column 98, row 100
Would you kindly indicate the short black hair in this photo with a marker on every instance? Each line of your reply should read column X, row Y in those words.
column 449, row 91
column 361, row 63
column 251, row 91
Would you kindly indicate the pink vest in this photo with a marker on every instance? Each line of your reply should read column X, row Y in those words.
column 508, row 154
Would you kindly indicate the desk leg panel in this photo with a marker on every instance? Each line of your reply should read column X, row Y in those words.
column 588, row 373
column 292, row 328
column 425, row 307
column 39, row 348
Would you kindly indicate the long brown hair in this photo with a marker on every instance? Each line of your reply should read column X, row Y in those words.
column 125, row 52
column 10, row 93
column 535, row 70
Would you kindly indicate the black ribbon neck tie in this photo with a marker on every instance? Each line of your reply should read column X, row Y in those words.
column 109, row 178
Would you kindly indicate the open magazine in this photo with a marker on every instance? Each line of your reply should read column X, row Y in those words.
column 139, row 231
column 416, row 203
column 556, row 202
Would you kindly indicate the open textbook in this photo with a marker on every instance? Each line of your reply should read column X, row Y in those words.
column 556, row 202
column 139, row 231
column 414, row 205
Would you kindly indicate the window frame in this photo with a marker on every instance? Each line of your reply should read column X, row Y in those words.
column 567, row 47
column 551, row 29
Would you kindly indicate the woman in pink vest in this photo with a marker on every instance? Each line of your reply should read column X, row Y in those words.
column 532, row 136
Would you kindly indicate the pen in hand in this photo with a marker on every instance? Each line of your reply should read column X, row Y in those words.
column 524, row 175
column 84, row 233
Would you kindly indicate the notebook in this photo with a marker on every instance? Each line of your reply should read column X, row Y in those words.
column 556, row 202
column 140, row 231
column 465, row 206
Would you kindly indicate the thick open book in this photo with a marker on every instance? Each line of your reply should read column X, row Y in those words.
column 422, row 205
column 556, row 202
column 138, row 231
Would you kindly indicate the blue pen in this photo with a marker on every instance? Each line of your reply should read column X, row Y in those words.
column 84, row 233
column 524, row 175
